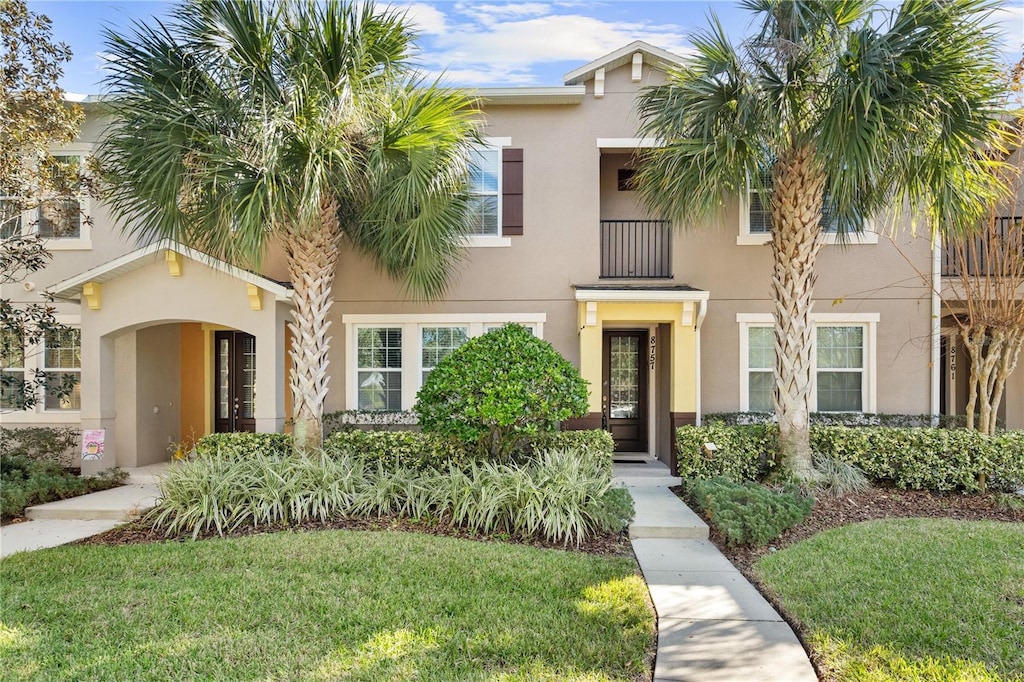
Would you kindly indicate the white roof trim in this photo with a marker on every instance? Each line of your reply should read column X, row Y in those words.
column 641, row 295
column 558, row 94
column 628, row 142
column 655, row 56
column 72, row 287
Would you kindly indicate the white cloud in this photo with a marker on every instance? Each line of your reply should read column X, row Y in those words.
column 425, row 19
column 489, row 14
column 476, row 50
column 1010, row 21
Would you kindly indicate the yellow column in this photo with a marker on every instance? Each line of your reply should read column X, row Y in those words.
column 590, row 353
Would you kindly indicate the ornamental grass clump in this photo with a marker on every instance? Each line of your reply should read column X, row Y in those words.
column 558, row 496
column 496, row 390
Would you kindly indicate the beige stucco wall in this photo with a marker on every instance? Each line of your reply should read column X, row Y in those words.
column 569, row 185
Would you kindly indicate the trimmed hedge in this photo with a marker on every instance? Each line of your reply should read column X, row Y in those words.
column 743, row 453
column 944, row 421
column 407, row 449
column 912, row 458
column 241, row 444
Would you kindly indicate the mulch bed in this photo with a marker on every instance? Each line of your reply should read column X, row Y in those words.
column 876, row 503
column 139, row 532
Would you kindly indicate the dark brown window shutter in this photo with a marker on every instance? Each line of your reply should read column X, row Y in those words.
column 511, row 192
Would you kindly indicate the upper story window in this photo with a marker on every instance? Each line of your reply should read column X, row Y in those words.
column 485, row 192
column 59, row 214
column 756, row 222
column 496, row 193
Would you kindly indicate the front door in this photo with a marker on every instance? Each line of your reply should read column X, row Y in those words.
column 235, row 382
column 625, row 388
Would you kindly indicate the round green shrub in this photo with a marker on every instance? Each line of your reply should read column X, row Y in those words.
column 497, row 389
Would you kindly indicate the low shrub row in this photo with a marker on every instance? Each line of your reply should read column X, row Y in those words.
column 747, row 513
column 25, row 481
column 557, row 495
column 408, row 449
column 58, row 444
column 912, row 458
column 943, row 421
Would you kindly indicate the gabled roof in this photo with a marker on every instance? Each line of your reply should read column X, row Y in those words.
column 652, row 55
column 71, row 288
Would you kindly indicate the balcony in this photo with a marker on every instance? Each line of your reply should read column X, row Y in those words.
column 977, row 254
column 636, row 249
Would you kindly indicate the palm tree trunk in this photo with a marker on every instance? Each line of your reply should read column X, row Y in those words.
column 312, row 261
column 797, row 192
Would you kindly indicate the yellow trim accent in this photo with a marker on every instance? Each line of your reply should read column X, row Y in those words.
column 92, row 291
column 255, row 296
column 173, row 263
column 208, row 378
column 682, row 361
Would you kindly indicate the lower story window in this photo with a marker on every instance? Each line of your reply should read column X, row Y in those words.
column 379, row 360
column 12, row 370
column 437, row 343
column 761, row 372
column 840, row 369
column 394, row 354
column 62, row 363
column 843, row 372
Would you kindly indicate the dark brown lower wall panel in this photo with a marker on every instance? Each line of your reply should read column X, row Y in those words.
column 679, row 419
column 591, row 421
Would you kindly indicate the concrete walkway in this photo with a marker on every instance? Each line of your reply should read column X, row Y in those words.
column 64, row 521
column 713, row 625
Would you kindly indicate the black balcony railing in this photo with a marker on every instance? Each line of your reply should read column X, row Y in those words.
column 636, row 249
column 977, row 263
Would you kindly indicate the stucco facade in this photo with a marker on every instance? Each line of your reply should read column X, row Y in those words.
column 149, row 337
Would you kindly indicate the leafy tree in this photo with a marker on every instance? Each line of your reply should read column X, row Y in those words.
column 34, row 117
column 497, row 389
column 240, row 125
column 842, row 109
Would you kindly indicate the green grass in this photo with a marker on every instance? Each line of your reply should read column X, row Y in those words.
column 322, row 606
column 908, row 599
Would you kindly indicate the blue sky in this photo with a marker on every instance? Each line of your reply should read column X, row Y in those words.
column 477, row 43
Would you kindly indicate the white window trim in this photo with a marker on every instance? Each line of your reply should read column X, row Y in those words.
column 486, row 241
column 38, row 414
column 411, row 325
column 746, row 238
column 869, row 321
column 83, row 242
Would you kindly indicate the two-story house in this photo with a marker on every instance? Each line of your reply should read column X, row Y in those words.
column 666, row 322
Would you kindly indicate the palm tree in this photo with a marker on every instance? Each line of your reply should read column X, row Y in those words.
column 841, row 108
column 239, row 125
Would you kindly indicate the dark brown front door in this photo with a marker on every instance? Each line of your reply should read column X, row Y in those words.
column 625, row 389
column 234, row 382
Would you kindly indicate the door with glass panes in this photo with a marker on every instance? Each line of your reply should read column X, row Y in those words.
column 235, row 382
column 624, row 398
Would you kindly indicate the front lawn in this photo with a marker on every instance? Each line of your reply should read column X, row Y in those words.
column 326, row 605
column 907, row 599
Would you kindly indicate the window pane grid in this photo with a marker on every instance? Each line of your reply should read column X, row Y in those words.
column 10, row 217
column 437, row 343
column 379, row 376
column 484, row 184
column 63, row 351
column 840, row 375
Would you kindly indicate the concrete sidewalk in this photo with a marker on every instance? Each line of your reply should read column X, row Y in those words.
column 713, row 625
column 64, row 521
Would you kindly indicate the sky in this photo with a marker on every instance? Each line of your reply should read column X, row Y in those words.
column 477, row 43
